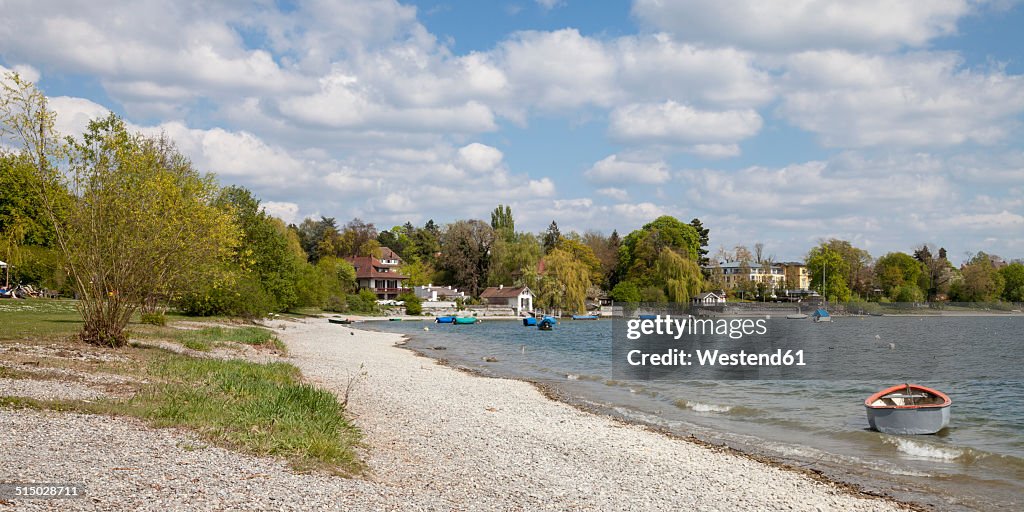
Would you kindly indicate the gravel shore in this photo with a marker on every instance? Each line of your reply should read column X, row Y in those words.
column 436, row 438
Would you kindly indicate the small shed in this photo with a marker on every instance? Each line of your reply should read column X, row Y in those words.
column 519, row 298
column 709, row 299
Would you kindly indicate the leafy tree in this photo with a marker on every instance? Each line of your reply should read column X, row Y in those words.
column 503, row 223
column 828, row 272
column 142, row 218
column 981, row 281
column 512, row 259
column 640, row 250
column 682, row 277
column 359, row 239
column 897, row 273
column 625, row 291
column 319, row 237
column 858, row 272
column 413, row 304
column 582, row 253
column 606, row 250
column 704, row 237
column 465, row 247
column 551, row 237
column 1013, row 282
column 565, row 281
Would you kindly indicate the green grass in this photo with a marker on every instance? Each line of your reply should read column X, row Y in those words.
column 260, row 408
column 206, row 338
column 38, row 318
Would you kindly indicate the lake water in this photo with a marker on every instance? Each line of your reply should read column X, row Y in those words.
column 977, row 463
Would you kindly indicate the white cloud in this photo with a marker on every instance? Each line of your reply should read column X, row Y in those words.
column 792, row 25
column 288, row 212
column 637, row 213
column 559, row 69
column 479, row 157
column 617, row 194
column 74, row 114
column 612, row 169
column 919, row 99
column 235, row 156
column 550, row 4
column 673, row 123
column 543, row 187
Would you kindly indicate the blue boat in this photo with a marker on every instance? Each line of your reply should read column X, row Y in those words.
column 551, row 319
column 445, row 320
column 821, row 315
column 648, row 317
column 584, row 317
column 547, row 323
column 529, row 321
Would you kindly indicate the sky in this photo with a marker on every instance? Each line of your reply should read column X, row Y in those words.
column 888, row 123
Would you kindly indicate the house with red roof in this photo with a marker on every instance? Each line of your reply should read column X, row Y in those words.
column 380, row 275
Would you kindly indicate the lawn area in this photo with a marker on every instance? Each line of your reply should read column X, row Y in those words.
column 261, row 408
column 38, row 318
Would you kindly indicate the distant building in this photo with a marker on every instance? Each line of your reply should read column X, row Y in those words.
column 436, row 293
column 380, row 275
column 519, row 298
column 797, row 275
column 709, row 299
column 734, row 273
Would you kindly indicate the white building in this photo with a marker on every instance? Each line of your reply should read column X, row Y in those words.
column 735, row 272
column 438, row 293
column 519, row 298
column 709, row 299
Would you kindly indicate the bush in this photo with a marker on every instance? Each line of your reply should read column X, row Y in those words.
column 243, row 296
column 363, row 302
column 413, row 304
column 154, row 319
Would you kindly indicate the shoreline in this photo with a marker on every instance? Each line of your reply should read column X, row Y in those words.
column 559, row 396
column 729, row 460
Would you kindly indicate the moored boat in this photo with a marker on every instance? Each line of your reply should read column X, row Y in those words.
column 547, row 323
column 344, row 321
column 648, row 317
column 465, row 320
column 908, row 409
column 529, row 321
column 821, row 315
column 584, row 317
column 445, row 320
column 796, row 316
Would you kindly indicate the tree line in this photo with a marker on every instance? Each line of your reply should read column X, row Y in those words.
column 125, row 223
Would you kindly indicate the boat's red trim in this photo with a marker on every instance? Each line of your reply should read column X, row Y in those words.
column 946, row 402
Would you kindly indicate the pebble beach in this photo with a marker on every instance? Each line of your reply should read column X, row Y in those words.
column 434, row 438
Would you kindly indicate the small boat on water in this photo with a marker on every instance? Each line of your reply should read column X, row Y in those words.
column 821, row 315
column 529, row 321
column 648, row 317
column 547, row 323
column 797, row 316
column 394, row 319
column 465, row 320
column 908, row 409
column 344, row 321
column 584, row 317
column 445, row 320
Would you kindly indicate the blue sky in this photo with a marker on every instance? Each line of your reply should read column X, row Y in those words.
column 886, row 123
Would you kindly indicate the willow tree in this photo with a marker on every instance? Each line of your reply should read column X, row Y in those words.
column 141, row 222
column 565, row 281
column 682, row 276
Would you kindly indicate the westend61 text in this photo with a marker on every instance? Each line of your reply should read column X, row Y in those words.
column 679, row 357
